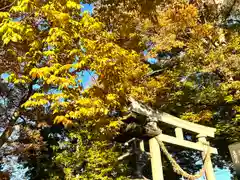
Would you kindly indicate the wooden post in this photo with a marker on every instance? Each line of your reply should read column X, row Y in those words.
column 156, row 161
column 142, row 145
column 179, row 133
column 209, row 167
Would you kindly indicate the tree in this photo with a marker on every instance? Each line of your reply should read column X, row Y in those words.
column 197, row 44
column 59, row 44
column 196, row 76
column 21, row 138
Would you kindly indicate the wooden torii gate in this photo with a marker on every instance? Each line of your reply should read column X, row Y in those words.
column 202, row 133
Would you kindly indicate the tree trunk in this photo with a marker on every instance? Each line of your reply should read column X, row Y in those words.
column 9, row 129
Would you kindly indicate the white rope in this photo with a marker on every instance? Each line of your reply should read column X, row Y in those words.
column 176, row 166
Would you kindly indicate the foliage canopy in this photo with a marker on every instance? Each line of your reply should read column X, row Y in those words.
column 196, row 74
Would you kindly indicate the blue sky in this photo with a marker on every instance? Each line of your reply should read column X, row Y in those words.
column 86, row 77
column 221, row 174
column 4, row 75
column 87, row 7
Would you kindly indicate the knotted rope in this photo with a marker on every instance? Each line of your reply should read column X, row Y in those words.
column 176, row 167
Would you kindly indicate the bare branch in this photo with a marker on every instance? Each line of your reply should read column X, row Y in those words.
column 8, row 6
column 155, row 73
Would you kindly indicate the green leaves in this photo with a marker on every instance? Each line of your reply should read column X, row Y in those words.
column 229, row 98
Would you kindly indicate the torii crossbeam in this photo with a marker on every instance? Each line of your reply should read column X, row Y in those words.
column 202, row 133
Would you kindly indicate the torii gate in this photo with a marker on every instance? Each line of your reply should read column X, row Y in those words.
column 202, row 133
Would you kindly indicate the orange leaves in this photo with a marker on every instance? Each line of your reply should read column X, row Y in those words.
column 203, row 30
column 102, row 76
column 62, row 119
column 39, row 73
column 36, row 74
column 175, row 23
column 183, row 15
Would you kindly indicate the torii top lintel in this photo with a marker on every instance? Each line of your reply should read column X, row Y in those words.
column 156, row 116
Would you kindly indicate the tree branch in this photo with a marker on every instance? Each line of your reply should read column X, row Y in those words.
column 8, row 6
column 155, row 73
column 8, row 131
column 229, row 10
